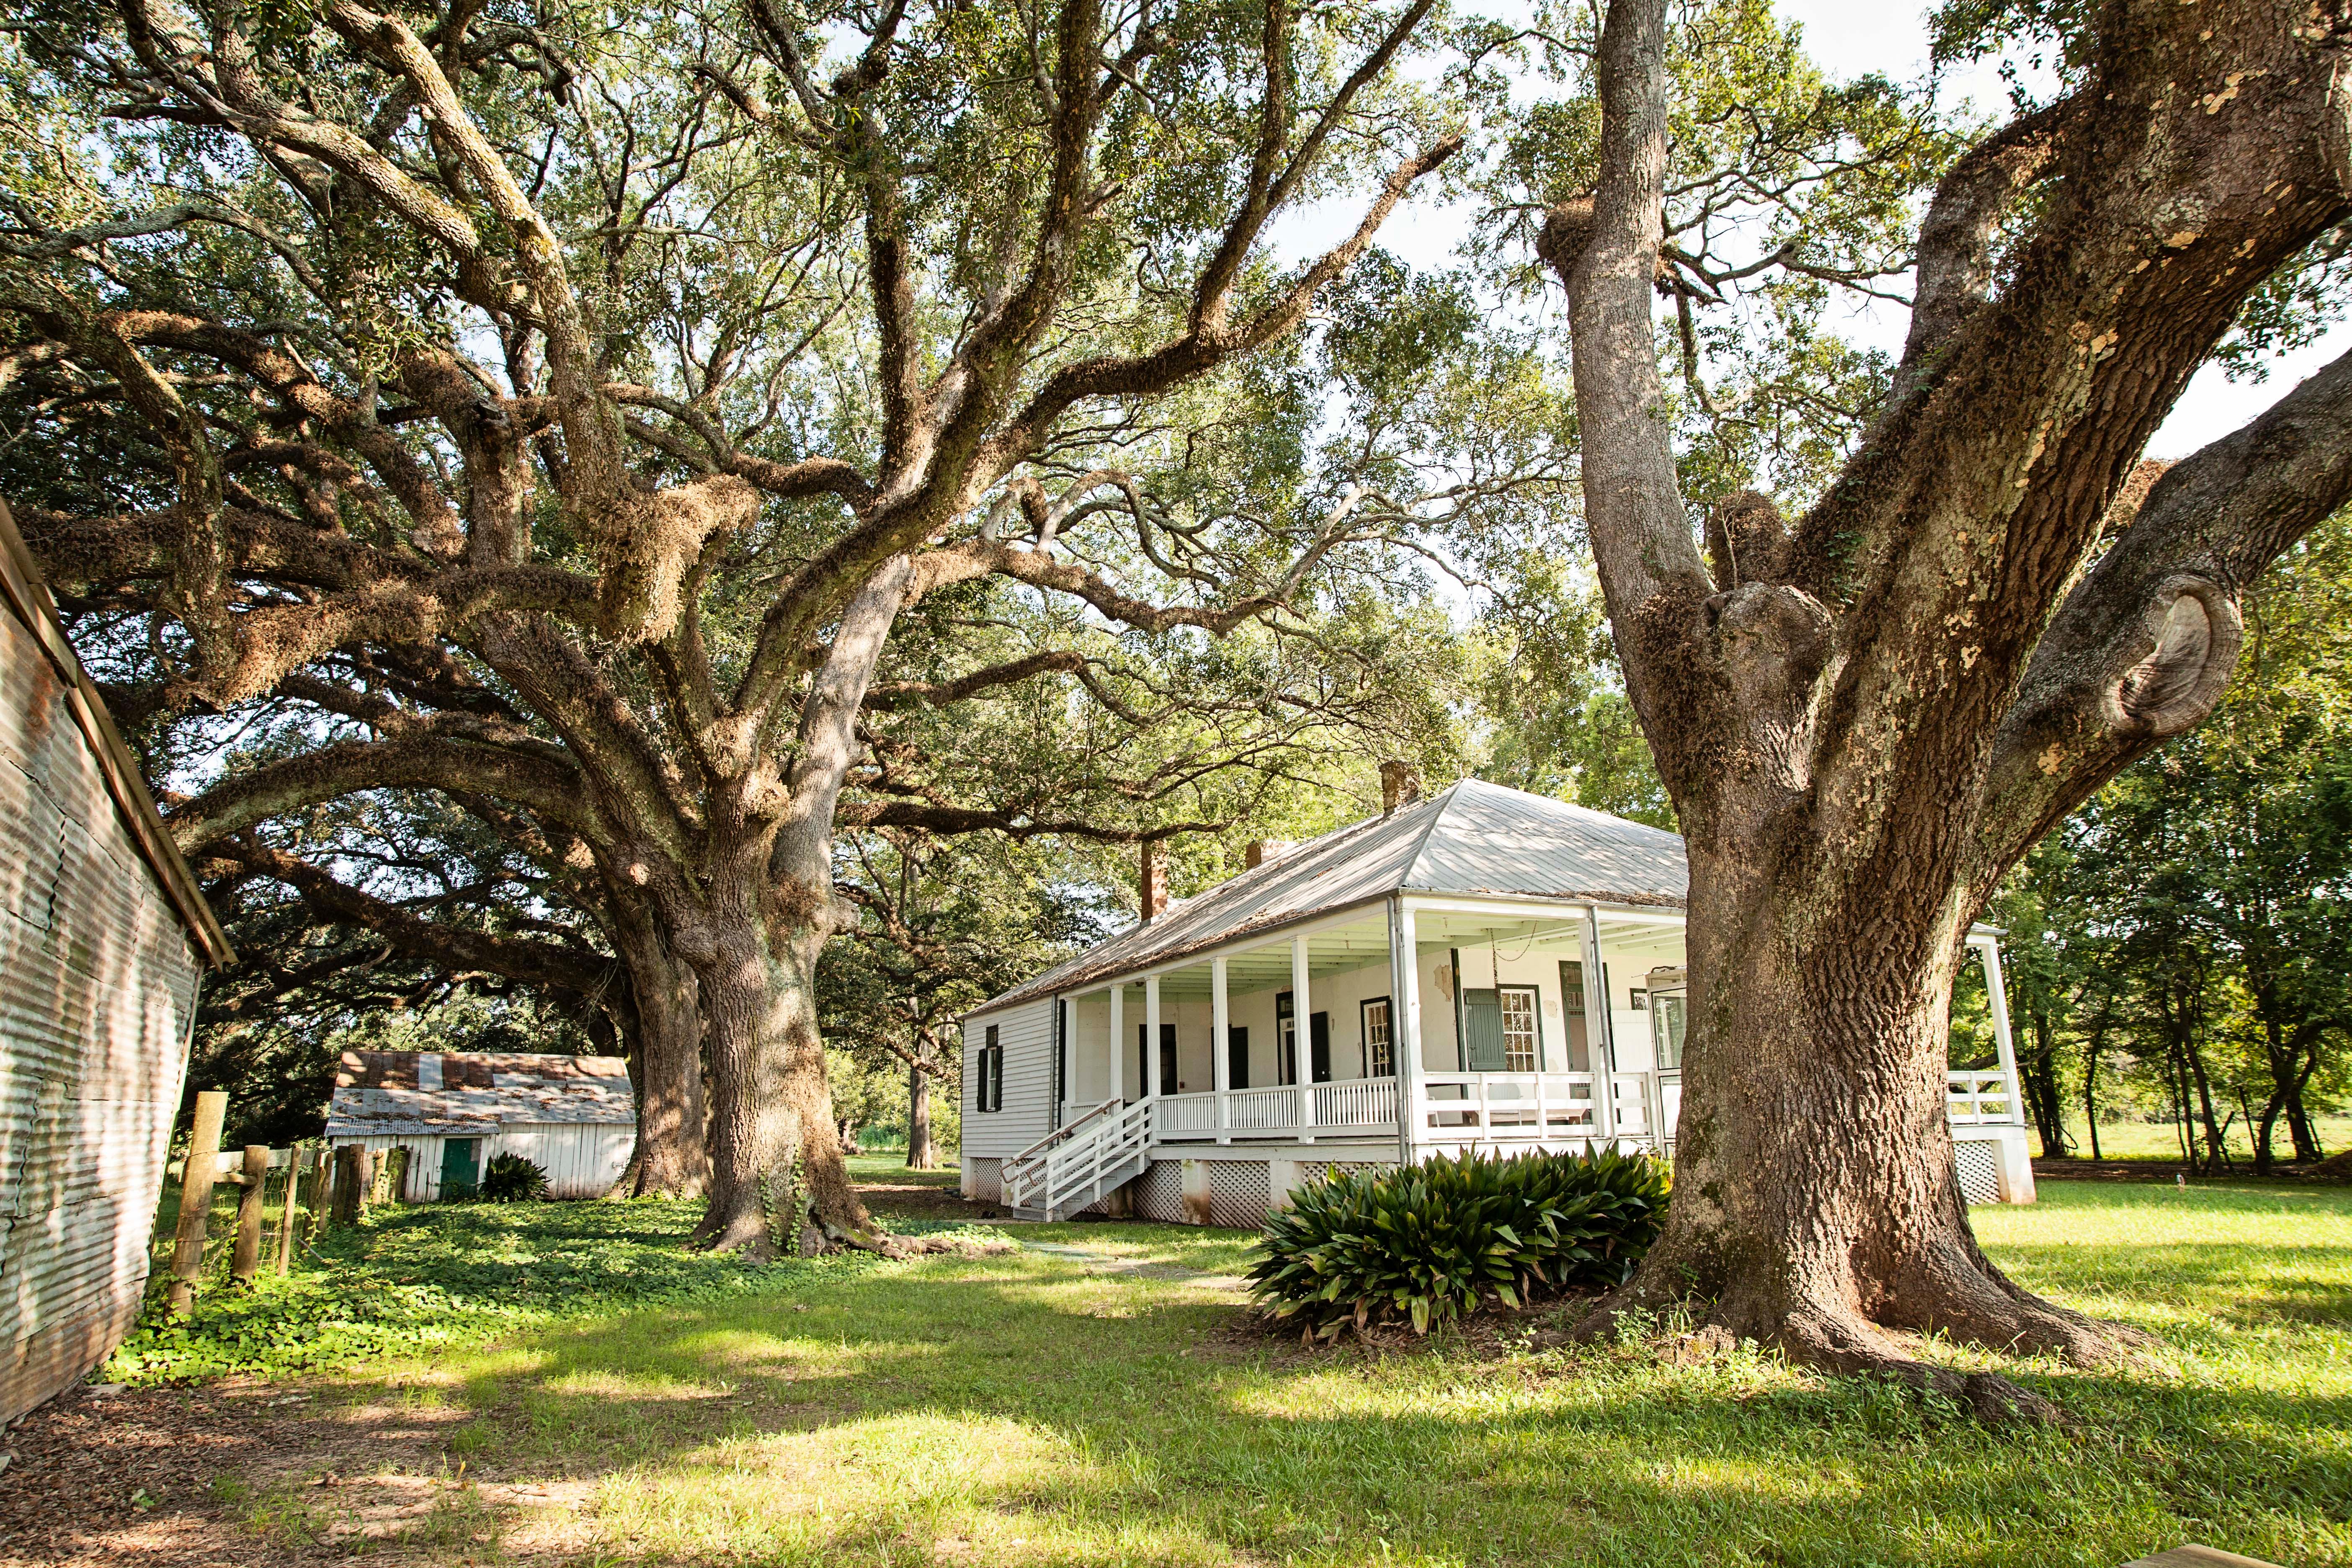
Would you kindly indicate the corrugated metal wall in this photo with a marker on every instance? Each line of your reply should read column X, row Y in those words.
column 583, row 1160
column 97, row 987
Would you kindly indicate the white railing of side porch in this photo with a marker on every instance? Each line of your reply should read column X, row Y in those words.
column 1982, row 1099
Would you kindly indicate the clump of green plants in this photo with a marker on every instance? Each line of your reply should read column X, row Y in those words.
column 512, row 1179
column 427, row 1277
column 1428, row 1243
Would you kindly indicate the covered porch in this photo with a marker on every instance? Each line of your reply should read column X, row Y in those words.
column 1532, row 1023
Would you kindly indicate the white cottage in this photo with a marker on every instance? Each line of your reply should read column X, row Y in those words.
column 1505, row 967
column 574, row 1117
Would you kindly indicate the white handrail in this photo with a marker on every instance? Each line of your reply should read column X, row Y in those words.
column 1063, row 1131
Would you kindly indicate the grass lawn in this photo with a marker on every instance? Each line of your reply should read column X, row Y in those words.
column 1036, row 1409
column 2160, row 1140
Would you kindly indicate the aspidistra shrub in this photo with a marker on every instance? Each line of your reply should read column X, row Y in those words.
column 1427, row 1242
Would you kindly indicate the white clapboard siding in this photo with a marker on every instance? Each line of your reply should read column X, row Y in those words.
column 1026, row 1033
column 98, row 982
column 582, row 1160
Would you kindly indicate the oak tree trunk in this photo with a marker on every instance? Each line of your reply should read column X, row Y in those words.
column 1867, row 716
column 772, row 1123
column 672, row 1158
column 921, row 1155
column 1816, row 1202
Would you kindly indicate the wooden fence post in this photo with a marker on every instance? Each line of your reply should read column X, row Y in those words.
column 391, row 1176
column 196, row 1199
column 245, row 1264
column 347, row 1190
column 295, row 1157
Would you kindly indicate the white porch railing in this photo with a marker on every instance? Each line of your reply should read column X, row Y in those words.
column 1977, row 1099
column 1349, row 1108
column 1497, row 1108
column 1456, row 1107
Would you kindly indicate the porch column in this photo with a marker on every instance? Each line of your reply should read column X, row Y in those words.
column 1997, row 998
column 1220, row 1067
column 1118, row 1042
column 1302, row 1054
column 1150, row 1036
column 1404, row 1025
column 1599, row 1039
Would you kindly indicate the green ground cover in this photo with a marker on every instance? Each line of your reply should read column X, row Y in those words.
column 1034, row 1409
column 427, row 1278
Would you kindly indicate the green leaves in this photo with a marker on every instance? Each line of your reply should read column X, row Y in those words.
column 409, row 1280
column 1427, row 1242
column 512, row 1179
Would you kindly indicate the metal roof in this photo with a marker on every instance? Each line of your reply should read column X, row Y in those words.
column 467, row 1094
column 1474, row 838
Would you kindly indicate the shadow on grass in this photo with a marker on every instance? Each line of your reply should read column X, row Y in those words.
column 1016, row 1410
column 2239, row 1283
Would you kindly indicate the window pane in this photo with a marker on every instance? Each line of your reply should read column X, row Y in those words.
column 1519, row 1029
column 1670, row 1014
column 1378, row 1059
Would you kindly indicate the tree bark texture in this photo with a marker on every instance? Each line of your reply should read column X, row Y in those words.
column 1865, row 717
column 921, row 1155
column 673, row 1158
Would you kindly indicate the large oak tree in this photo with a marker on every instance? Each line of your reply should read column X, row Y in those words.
column 610, row 386
column 1867, row 713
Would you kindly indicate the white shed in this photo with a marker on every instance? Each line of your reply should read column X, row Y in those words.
column 574, row 1117
column 103, row 934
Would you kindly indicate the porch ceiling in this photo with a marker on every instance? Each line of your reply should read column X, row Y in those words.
column 1332, row 951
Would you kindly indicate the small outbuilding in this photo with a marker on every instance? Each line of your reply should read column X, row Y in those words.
column 103, row 935
column 574, row 1117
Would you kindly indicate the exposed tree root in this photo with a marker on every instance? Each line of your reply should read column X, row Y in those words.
column 1998, row 1317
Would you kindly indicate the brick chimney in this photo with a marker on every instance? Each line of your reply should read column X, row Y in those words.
column 1399, row 785
column 1154, row 884
column 1258, row 851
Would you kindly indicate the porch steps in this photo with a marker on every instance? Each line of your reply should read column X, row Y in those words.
column 1080, row 1162
column 1083, row 1194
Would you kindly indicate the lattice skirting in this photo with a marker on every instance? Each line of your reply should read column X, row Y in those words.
column 1979, row 1163
column 1160, row 1192
column 1310, row 1170
column 987, row 1179
column 1238, row 1193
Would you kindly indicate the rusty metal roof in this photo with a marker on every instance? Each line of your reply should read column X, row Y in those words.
column 1474, row 838
column 467, row 1093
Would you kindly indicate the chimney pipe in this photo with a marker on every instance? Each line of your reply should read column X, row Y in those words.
column 1154, row 887
column 1399, row 785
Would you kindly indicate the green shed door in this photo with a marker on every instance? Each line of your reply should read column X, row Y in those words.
column 460, row 1169
column 1481, row 1031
